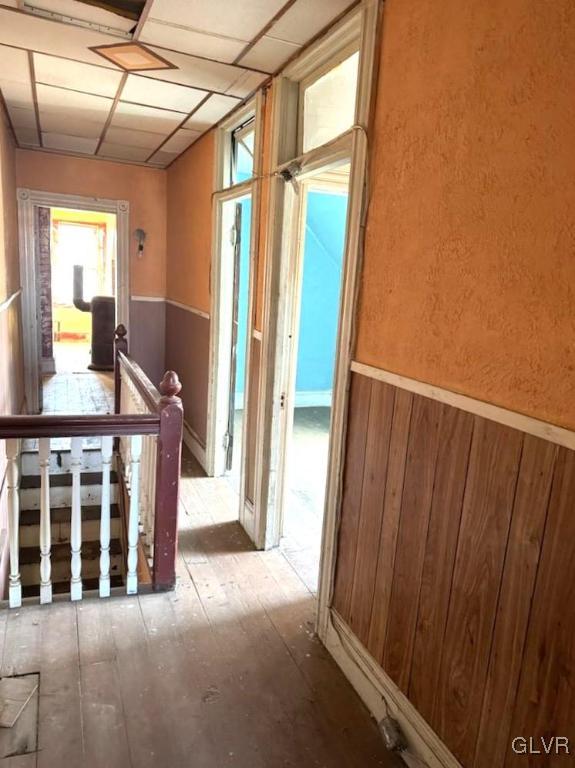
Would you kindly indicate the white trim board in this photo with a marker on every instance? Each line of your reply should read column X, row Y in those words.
column 381, row 696
column 528, row 424
column 194, row 443
column 186, row 307
column 148, row 298
column 8, row 301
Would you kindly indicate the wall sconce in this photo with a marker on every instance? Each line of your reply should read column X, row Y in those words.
column 141, row 238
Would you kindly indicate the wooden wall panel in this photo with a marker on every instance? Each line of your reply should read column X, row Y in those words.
column 388, row 536
column 546, row 698
column 456, row 569
column 371, row 510
column 415, row 508
column 442, row 536
column 359, row 401
column 489, row 494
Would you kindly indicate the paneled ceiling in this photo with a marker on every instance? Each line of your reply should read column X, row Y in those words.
column 63, row 96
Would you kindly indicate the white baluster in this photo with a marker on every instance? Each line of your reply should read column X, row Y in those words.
column 45, row 522
column 12, row 479
column 107, row 444
column 135, row 453
column 76, row 527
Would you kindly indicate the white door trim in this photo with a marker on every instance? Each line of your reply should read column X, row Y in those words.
column 28, row 199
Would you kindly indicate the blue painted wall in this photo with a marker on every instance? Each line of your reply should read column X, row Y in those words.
column 321, row 288
column 243, row 295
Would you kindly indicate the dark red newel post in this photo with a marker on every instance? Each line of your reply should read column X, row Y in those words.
column 120, row 345
column 167, row 482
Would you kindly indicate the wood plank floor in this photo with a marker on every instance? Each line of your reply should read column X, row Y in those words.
column 224, row 671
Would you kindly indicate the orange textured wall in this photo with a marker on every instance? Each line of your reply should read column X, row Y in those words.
column 469, row 270
column 144, row 188
column 190, row 188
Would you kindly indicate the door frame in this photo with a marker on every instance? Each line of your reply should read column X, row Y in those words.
column 295, row 204
column 362, row 24
column 28, row 200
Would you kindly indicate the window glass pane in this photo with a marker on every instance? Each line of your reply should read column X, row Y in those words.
column 329, row 104
column 243, row 154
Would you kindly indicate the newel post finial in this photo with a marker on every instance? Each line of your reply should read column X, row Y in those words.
column 170, row 387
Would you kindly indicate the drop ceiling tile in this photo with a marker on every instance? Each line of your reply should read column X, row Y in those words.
column 186, row 40
column 14, row 65
column 52, row 99
column 246, row 84
column 211, row 111
column 306, row 18
column 142, row 139
column 156, row 93
column 69, row 143
column 17, row 94
column 269, row 54
column 27, row 137
column 240, row 20
column 180, row 141
column 135, row 117
column 161, row 158
column 70, row 123
column 77, row 76
column 123, row 152
column 200, row 73
column 22, row 117
column 35, row 33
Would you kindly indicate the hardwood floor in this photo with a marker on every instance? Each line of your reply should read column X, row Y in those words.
column 224, row 671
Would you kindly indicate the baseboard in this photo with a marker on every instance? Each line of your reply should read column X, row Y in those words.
column 194, row 444
column 313, row 399
column 381, row 696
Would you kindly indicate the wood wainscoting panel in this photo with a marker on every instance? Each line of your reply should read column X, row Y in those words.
column 456, row 569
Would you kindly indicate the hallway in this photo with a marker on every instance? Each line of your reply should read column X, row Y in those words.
column 224, row 671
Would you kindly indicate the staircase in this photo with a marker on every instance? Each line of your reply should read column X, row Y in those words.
column 60, row 513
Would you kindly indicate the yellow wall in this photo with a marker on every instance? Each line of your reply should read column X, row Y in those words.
column 469, row 266
column 144, row 188
column 190, row 188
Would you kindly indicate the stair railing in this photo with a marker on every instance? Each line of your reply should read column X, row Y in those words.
column 149, row 444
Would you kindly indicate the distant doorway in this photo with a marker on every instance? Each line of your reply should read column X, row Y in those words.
column 316, row 283
column 85, row 241
column 57, row 233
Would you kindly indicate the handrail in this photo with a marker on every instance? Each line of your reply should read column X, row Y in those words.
column 96, row 425
column 146, row 389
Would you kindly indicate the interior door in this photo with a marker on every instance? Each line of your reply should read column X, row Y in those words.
column 237, row 229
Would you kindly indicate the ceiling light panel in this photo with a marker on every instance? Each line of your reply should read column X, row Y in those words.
column 133, row 57
column 34, row 33
column 269, row 54
column 69, row 143
column 211, row 111
column 123, row 152
column 99, row 81
column 186, row 40
column 306, row 18
column 157, row 93
column 136, row 117
column 241, row 20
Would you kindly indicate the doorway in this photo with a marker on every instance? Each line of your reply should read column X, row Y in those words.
column 82, row 245
column 316, row 285
column 235, row 217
